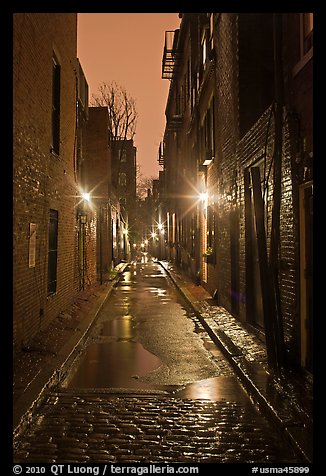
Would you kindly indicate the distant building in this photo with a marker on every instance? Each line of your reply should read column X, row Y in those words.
column 124, row 184
column 237, row 160
column 96, row 179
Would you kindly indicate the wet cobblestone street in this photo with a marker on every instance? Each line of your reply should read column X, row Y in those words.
column 79, row 428
column 187, row 406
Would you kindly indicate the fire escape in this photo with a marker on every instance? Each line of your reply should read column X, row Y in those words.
column 160, row 159
column 170, row 68
column 170, row 54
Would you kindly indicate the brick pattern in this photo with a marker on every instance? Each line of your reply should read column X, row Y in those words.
column 42, row 180
column 233, row 155
column 84, row 427
column 227, row 134
column 250, row 152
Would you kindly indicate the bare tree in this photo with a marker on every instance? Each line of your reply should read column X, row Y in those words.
column 122, row 115
column 143, row 183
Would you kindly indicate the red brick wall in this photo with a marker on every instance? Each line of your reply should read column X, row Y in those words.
column 41, row 180
column 96, row 179
column 227, row 137
column 234, row 154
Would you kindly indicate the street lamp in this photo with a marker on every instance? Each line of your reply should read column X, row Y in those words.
column 203, row 196
column 86, row 196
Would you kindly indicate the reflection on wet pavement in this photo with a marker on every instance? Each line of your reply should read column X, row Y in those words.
column 138, row 344
column 214, row 389
column 113, row 364
column 120, row 328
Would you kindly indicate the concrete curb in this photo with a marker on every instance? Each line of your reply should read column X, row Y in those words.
column 26, row 405
column 278, row 410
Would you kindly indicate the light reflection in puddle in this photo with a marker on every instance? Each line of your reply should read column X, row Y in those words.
column 214, row 389
column 121, row 328
column 114, row 364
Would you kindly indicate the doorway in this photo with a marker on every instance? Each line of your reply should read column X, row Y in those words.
column 254, row 300
column 306, row 277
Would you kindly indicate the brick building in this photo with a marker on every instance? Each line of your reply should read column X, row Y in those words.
column 124, row 184
column 97, row 179
column 46, row 272
column 237, row 158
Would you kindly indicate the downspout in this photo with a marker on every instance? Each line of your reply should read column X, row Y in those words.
column 274, row 257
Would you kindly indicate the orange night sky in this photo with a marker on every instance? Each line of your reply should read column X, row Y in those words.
column 128, row 48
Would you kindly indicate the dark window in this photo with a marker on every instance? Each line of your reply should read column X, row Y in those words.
column 209, row 125
column 123, row 155
column 122, row 179
column 256, row 67
column 53, row 252
column 211, row 223
column 56, row 73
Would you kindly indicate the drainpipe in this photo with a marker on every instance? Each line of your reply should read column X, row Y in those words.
column 100, row 240
column 274, row 257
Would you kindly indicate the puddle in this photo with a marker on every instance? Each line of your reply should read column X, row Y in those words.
column 114, row 364
column 214, row 389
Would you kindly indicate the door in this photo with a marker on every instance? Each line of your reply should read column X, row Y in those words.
column 254, row 300
column 306, row 277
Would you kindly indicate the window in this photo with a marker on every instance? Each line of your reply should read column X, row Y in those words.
column 209, row 125
column 211, row 31
column 122, row 179
column 123, row 156
column 53, row 252
column 256, row 67
column 210, row 243
column 304, row 40
column 56, row 73
column 204, row 46
column 306, row 32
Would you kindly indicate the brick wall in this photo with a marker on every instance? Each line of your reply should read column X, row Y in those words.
column 227, row 136
column 96, row 179
column 42, row 181
column 251, row 152
column 235, row 153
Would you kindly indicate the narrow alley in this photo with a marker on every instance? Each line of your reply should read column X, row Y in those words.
column 150, row 386
column 163, row 196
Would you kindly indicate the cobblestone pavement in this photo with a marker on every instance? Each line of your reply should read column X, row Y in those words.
column 165, row 423
column 81, row 427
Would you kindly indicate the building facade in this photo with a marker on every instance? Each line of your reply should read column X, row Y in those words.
column 237, row 159
column 96, row 180
column 45, row 259
column 124, row 185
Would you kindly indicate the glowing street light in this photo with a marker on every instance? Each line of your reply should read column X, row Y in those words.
column 86, row 196
column 203, row 197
